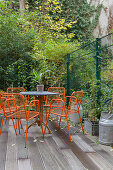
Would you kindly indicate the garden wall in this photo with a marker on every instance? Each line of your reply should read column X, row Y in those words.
column 105, row 24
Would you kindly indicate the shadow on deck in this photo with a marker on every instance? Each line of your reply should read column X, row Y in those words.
column 54, row 152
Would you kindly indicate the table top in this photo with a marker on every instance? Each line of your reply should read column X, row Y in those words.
column 38, row 93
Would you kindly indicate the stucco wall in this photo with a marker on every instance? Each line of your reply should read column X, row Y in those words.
column 105, row 24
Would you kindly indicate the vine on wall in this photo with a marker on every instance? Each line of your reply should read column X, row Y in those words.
column 81, row 17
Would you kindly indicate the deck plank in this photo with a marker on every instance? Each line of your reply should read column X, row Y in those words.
column 24, row 164
column 100, row 162
column 34, row 155
column 73, row 161
column 3, row 149
column 49, row 160
column 22, row 152
column 55, row 151
column 102, row 150
column 107, row 156
column 82, row 144
column 58, row 156
column 3, row 146
column 80, row 154
column 59, row 142
column 24, row 161
column 11, row 156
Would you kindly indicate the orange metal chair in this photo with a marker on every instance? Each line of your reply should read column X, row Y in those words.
column 79, row 96
column 18, row 90
column 74, row 107
column 6, row 111
column 22, row 112
column 60, row 110
column 19, row 102
column 60, row 90
column 57, row 107
column 61, row 95
column 15, row 90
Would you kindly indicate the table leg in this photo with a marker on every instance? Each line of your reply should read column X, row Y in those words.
column 40, row 98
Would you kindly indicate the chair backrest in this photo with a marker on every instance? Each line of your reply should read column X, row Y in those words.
column 19, row 98
column 73, row 105
column 61, row 95
column 78, row 95
column 24, row 110
column 34, row 108
column 15, row 90
column 18, row 90
column 10, row 106
column 7, row 103
column 57, row 107
column 2, row 101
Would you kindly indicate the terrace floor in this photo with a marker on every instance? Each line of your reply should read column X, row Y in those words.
column 54, row 152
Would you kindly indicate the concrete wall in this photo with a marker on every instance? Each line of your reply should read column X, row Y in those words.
column 105, row 24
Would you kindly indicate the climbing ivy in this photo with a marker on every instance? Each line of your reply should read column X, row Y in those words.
column 81, row 17
column 85, row 15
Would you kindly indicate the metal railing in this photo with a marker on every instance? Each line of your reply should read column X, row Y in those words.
column 98, row 55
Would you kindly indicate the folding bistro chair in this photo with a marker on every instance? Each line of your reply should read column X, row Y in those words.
column 57, row 107
column 7, row 109
column 33, row 111
column 79, row 96
column 15, row 90
column 61, row 95
column 18, row 90
column 19, row 103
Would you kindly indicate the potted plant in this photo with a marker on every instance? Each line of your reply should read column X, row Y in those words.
column 38, row 79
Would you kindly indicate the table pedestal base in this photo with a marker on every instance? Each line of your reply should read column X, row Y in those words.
column 37, row 122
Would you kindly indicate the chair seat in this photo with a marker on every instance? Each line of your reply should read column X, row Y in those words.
column 7, row 110
column 1, row 111
column 21, row 114
column 58, row 111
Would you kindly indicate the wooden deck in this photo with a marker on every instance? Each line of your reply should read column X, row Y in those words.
column 54, row 152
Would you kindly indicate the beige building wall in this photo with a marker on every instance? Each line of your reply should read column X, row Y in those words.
column 105, row 24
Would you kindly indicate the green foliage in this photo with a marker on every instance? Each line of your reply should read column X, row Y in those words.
column 18, row 73
column 90, row 102
column 15, row 39
column 79, row 18
column 32, row 34
column 38, row 76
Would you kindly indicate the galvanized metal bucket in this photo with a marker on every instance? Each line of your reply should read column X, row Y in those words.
column 106, row 130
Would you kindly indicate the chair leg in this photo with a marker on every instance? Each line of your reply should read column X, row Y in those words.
column 5, row 120
column 26, row 133
column 46, row 112
column 18, row 126
column 15, row 121
column 59, row 122
column 81, row 122
column 68, row 128
column 21, row 124
column 14, row 126
column 2, row 124
column 41, row 125
column 46, row 125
